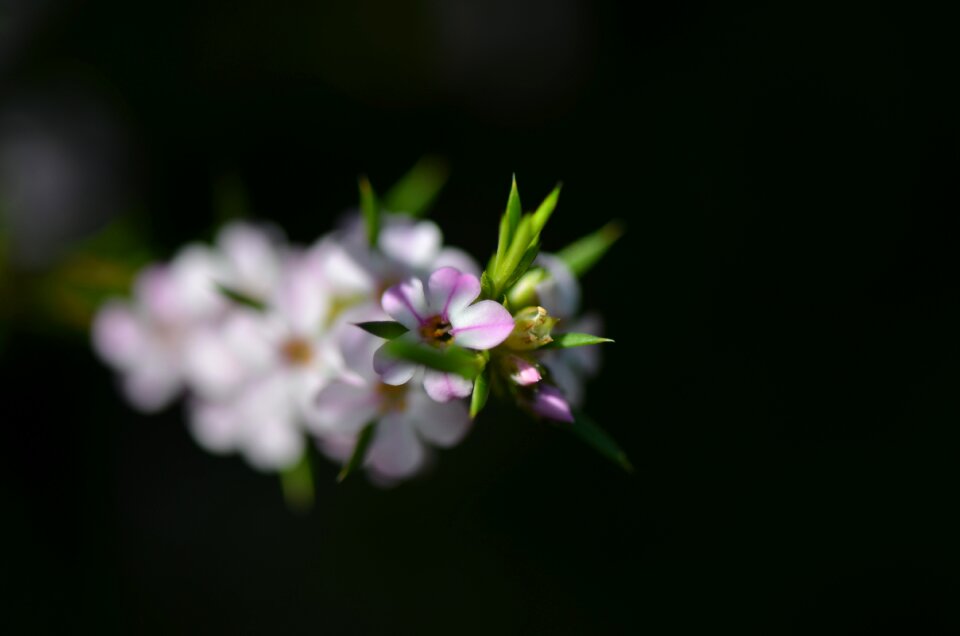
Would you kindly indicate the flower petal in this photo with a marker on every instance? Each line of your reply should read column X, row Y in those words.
column 559, row 292
column 483, row 325
column 454, row 257
column 391, row 370
column 414, row 244
column 253, row 254
column 273, row 444
column 343, row 409
column 450, row 291
column 406, row 303
column 301, row 299
column 396, row 451
column 118, row 334
column 215, row 425
column 442, row 424
column 151, row 387
column 444, row 387
column 548, row 402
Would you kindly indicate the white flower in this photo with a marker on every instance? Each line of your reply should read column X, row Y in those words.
column 255, row 375
column 407, row 420
column 144, row 338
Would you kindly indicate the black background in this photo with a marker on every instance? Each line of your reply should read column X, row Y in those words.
column 785, row 305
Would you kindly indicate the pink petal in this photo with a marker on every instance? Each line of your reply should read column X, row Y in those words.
column 215, row 426
column 548, row 402
column 450, row 291
column 406, row 303
column 392, row 371
column 523, row 372
column 273, row 444
column 396, row 451
column 254, row 257
column 483, row 325
column 442, row 424
column 444, row 387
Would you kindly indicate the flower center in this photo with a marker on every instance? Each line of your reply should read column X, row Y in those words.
column 393, row 398
column 297, row 352
column 436, row 330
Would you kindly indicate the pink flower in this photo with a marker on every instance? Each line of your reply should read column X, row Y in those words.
column 440, row 315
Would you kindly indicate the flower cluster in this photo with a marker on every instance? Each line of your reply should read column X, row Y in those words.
column 373, row 345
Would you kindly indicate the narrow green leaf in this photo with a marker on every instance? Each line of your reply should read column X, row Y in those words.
column 452, row 359
column 415, row 191
column 509, row 222
column 486, row 286
column 297, row 485
column 386, row 329
column 583, row 253
column 481, row 390
column 542, row 214
column 525, row 262
column 370, row 208
column 520, row 244
column 568, row 340
column 240, row 298
column 600, row 440
column 359, row 451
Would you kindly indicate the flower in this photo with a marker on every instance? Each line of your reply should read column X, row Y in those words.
column 256, row 374
column 407, row 420
column 440, row 316
column 144, row 338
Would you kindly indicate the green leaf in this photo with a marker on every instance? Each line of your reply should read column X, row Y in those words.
column 486, row 286
column 386, row 329
column 568, row 340
column 507, row 266
column 370, row 208
column 525, row 262
column 359, row 451
column 297, row 484
column 542, row 214
column 599, row 439
column 451, row 359
column 583, row 253
column 481, row 390
column 241, row 298
column 417, row 189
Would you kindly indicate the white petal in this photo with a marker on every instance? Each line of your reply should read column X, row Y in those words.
column 559, row 293
column 211, row 367
column 414, row 244
column 457, row 258
column 343, row 408
column 254, row 257
column 152, row 387
column 274, row 444
column 215, row 426
column 392, row 371
column 443, row 424
column 302, row 299
column 396, row 451
column 196, row 271
column 444, row 387
column 118, row 334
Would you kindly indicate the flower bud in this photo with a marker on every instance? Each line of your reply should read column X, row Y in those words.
column 521, row 371
column 549, row 402
column 531, row 329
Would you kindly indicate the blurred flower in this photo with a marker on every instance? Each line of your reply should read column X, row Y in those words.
column 144, row 339
column 547, row 401
column 406, row 419
column 439, row 316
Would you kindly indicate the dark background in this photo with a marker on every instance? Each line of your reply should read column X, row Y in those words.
column 785, row 305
